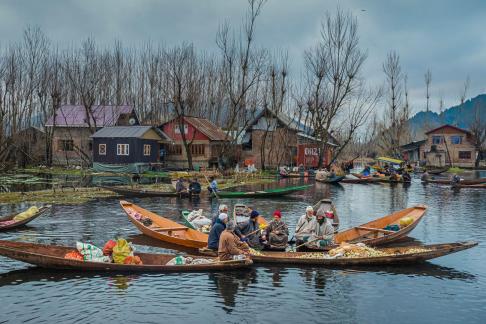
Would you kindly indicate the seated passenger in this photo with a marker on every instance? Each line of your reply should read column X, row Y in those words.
column 250, row 231
column 322, row 233
column 216, row 230
column 230, row 244
column 277, row 232
column 305, row 225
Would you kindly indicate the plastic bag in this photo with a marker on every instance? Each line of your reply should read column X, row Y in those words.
column 91, row 252
column 26, row 214
column 74, row 255
column 121, row 250
column 108, row 248
column 178, row 260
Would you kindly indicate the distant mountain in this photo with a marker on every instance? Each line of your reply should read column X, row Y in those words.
column 461, row 116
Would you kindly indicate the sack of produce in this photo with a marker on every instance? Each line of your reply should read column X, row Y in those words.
column 178, row 260
column 108, row 248
column 405, row 221
column 74, row 255
column 26, row 214
column 132, row 260
column 91, row 252
column 121, row 250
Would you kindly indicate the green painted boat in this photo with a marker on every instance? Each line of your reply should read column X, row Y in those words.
column 260, row 194
column 186, row 222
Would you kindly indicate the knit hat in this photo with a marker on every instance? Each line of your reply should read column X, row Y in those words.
column 222, row 216
column 254, row 214
column 277, row 213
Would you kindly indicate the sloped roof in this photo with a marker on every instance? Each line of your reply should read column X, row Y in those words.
column 75, row 115
column 205, row 126
column 127, row 132
column 450, row 126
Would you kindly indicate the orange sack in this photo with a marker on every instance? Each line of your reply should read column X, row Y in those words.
column 108, row 248
column 74, row 255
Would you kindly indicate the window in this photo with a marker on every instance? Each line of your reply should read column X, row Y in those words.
column 456, row 139
column 175, row 149
column 66, row 145
column 102, row 149
column 178, row 130
column 197, row 149
column 122, row 149
column 465, row 155
column 146, row 149
column 436, row 139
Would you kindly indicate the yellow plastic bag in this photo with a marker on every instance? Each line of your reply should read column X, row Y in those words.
column 26, row 214
column 405, row 221
column 121, row 250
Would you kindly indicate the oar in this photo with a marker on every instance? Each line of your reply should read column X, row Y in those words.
column 209, row 183
column 301, row 245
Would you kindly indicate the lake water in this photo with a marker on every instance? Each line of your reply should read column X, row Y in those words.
column 451, row 289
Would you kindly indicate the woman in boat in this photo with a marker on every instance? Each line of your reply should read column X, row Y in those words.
column 323, row 232
column 216, row 230
column 230, row 244
column 250, row 231
column 277, row 232
column 305, row 225
column 195, row 187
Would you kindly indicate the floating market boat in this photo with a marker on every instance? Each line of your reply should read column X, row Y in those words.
column 138, row 192
column 384, row 256
column 462, row 182
column 52, row 257
column 8, row 225
column 374, row 179
column 260, row 194
column 163, row 229
column 360, row 180
column 335, row 179
column 438, row 171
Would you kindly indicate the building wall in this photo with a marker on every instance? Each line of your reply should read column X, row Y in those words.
column 180, row 160
column 192, row 133
column 81, row 140
column 135, row 151
column 440, row 156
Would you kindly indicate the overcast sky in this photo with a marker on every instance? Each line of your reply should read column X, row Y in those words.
column 446, row 36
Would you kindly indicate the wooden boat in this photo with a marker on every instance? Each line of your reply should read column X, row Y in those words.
column 375, row 179
column 473, row 186
column 335, row 179
column 52, row 256
column 462, row 182
column 41, row 211
column 438, row 171
column 138, row 192
column 305, row 174
column 360, row 180
column 260, row 194
column 398, row 255
column 326, row 204
column 164, row 229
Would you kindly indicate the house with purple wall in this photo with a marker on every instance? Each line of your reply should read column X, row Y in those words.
column 72, row 125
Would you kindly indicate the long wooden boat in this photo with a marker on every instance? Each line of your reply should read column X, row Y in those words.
column 462, row 182
column 397, row 255
column 137, row 192
column 438, row 171
column 473, row 186
column 335, row 179
column 185, row 220
column 52, row 257
column 375, row 179
column 261, row 194
column 41, row 211
column 164, row 229
column 360, row 180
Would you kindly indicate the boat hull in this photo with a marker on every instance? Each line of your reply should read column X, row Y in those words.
column 42, row 210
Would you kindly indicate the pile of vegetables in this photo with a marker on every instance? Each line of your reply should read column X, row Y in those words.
column 255, row 252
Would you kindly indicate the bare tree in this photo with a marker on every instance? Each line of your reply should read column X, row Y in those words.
column 478, row 132
column 464, row 90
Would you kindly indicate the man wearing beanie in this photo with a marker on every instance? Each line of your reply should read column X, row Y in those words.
column 277, row 232
column 216, row 230
column 250, row 231
column 230, row 244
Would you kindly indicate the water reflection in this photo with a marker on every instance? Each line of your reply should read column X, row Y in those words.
column 230, row 283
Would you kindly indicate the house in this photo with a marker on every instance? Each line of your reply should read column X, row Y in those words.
column 72, row 127
column 447, row 145
column 274, row 139
column 126, row 148
column 413, row 152
column 205, row 138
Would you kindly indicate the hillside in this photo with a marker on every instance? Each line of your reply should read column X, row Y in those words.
column 461, row 116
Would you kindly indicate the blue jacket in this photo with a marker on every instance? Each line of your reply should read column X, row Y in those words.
column 215, row 233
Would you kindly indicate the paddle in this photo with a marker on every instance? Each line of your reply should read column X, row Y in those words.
column 209, row 183
column 301, row 245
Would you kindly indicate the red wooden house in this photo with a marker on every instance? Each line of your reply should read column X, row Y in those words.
column 205, row 140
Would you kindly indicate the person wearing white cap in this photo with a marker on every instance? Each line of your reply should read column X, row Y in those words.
column 222, row 209
column 216, row 230
column 305, row 225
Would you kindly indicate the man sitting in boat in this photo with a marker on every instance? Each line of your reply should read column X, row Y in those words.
column 230, row 245
column 180, row 188
column 277, row 232
column 194, row 187
column 250, row 231
column 455, row 179
column 322, row 233
column 305, row 226
column 366, row 172
column 213, row 185
column 216, row 230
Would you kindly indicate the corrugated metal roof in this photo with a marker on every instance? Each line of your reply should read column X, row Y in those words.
column 75, row 115
column 126, row 132
column 208, row 128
